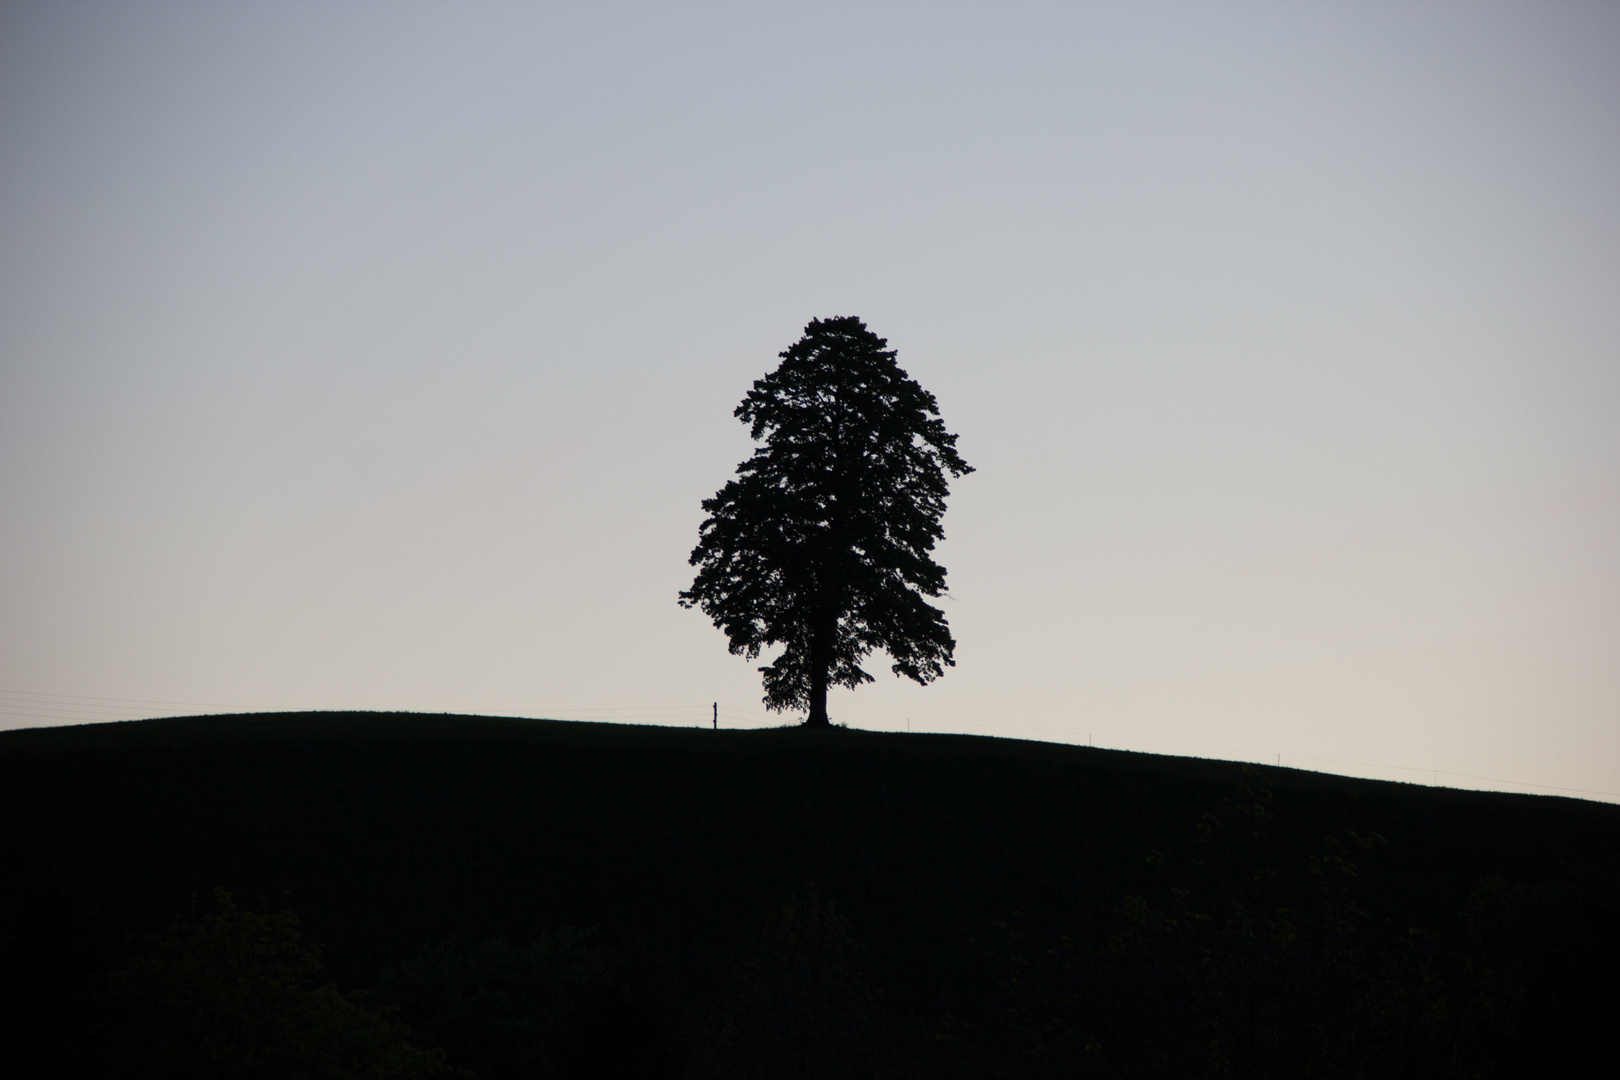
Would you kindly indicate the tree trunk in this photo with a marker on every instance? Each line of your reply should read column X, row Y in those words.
column 820, row 660
column 818, row 704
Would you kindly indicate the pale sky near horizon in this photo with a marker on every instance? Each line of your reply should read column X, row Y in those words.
column 378, row 356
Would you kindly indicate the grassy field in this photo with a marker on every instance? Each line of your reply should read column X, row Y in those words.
column 990, row 889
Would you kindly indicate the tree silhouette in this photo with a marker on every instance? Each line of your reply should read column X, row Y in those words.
column 797, row 1004
column 822, row 542
column 237, row 993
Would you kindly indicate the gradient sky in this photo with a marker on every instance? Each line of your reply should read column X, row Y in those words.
column 378, row 356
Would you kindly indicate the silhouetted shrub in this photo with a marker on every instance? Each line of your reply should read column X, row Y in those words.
column 796, row 1005
column 1244, row 956
column 236, row 994
column 561, row 1007
column 1533, row 984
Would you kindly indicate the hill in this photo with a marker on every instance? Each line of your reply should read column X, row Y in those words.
column 1003, row 898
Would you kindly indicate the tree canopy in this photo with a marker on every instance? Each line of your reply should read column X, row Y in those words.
column 822, row 543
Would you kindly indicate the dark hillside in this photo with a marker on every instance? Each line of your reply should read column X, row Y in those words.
column 384, row 831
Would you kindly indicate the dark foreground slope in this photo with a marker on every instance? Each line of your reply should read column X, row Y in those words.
column 1009, row 899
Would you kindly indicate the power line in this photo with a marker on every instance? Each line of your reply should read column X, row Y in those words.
column 85, row 707
column 1244, row 754
column 122, row 701
column 631, row 708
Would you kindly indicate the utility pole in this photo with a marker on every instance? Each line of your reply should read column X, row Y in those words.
column 717, row 716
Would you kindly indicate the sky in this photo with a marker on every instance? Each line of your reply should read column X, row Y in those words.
column 379, row 355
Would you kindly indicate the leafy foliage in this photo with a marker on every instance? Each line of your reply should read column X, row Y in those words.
column 561, row 1007
column 1533, row 981
column 1264, row 955
column 822, row 543
column 797, row 1004
column 1248, row 954
column 235, row 994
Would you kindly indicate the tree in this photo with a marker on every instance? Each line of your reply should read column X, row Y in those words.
column 822, row 542
column 237, row 993
column 797, row 1004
